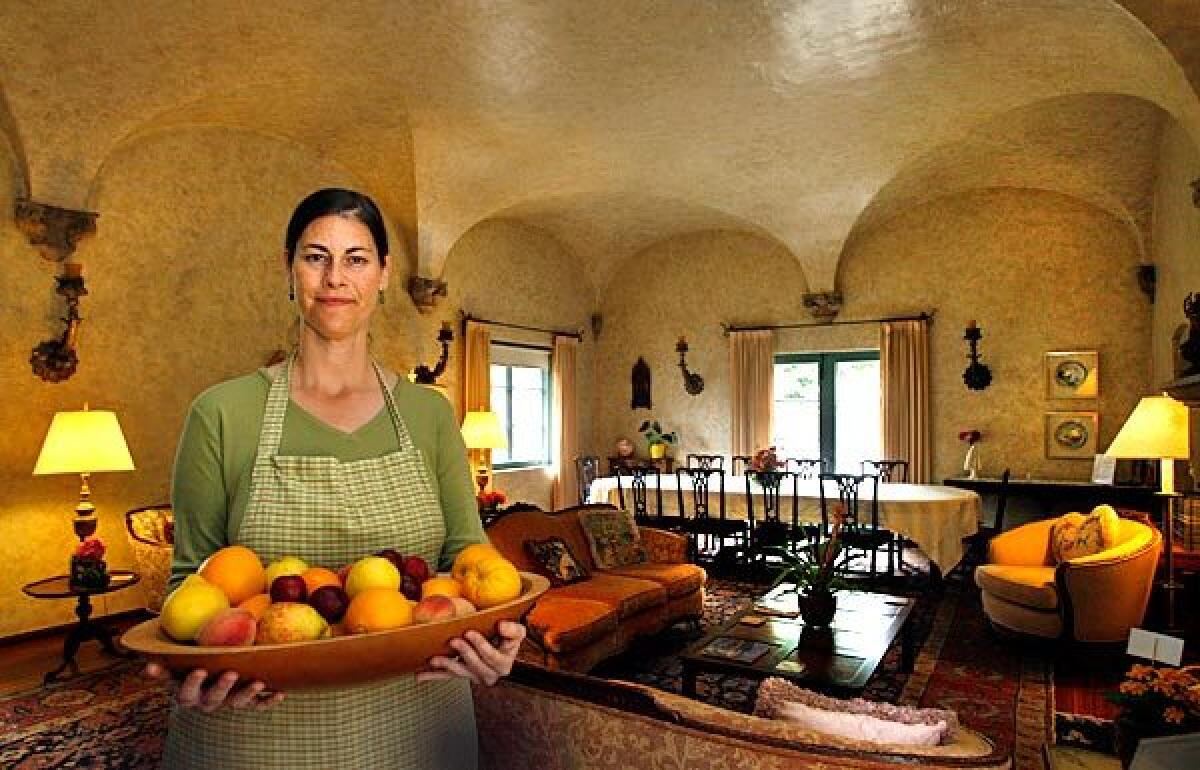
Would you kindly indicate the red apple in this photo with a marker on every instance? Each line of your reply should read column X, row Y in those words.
column 288, row 588
column 416, row 567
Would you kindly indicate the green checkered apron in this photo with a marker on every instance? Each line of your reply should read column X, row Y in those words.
column 331, row 513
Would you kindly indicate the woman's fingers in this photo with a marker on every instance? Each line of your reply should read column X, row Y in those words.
column 154, row 671
column 246, row 696
column 214, row 696
column 453, row 667
column 190, row 689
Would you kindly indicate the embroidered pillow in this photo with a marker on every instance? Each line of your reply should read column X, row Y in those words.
column 1075, row 535
column 555, row 560
column 613, row 538
column 862, row 727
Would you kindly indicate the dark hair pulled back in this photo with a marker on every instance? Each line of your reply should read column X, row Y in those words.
column 335, row 201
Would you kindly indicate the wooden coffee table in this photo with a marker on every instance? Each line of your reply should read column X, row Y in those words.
column 838, row 660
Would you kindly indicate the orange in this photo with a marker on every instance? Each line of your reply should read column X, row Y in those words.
column 491, row 581
column 256, row 604
column 315, row 577
column 237, row 571
column 469, row 555
column 442, row 586
column 377, row 609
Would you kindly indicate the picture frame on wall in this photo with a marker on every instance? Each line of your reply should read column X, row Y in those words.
column 1074, row 374
column 1071, row 435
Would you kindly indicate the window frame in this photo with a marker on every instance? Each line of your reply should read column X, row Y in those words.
column 548, row 401
column 827, row 362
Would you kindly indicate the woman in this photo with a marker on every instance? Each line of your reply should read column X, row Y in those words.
column 328, row 457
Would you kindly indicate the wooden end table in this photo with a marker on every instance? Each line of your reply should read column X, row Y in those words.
column 58, row 588
column 838, row 660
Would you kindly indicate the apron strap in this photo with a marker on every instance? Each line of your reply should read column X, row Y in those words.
column 402, row 436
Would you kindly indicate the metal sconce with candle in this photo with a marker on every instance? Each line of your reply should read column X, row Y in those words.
column 977, row 376
column 423, row 375
column 692, row 382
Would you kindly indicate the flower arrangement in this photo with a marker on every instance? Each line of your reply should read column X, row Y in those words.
column 490, row 501
column 763, row 464
column 971, row 461
column 88, row 570
column 1166, row 698
column 970, row 436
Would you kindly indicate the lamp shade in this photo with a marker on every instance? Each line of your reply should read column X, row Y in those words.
column 83, row 442
column 1157, row 429
column 481, row 430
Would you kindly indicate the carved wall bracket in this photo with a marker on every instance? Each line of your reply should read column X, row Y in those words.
column 425, row 291
column 693, row 383
column 55, row 360
column 1190, row 349
column 423, row 375
column 1147, row 278
column 53, row 231
column 824, row 305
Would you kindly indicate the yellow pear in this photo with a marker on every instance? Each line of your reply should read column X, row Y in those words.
column 189, row 607
column 287, row 565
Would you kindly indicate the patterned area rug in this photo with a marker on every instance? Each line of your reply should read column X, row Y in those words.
column 997, row 688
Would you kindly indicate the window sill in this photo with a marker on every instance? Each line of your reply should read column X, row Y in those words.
column 520, row 468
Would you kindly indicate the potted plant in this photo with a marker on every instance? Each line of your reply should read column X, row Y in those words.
column 1155, row 701
column 656, row 439
column 816, row 572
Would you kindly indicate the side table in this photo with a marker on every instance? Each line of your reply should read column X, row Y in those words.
column 58, row 588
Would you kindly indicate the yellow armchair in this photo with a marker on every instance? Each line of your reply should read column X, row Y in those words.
column 1095, row 598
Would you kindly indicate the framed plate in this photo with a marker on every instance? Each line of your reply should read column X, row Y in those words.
column 1073, row 375
column 335, row 662
column 1071, row 434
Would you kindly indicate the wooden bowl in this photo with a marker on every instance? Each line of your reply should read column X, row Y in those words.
column 335, row 662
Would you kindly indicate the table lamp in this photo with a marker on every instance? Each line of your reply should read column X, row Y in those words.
column 84, row 442
column 1158, row 430
column 481, row 432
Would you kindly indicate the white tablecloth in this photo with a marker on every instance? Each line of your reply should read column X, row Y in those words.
column 934, row 516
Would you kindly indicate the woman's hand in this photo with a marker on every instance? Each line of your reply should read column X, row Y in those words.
column 222, row 692
column 478, row 659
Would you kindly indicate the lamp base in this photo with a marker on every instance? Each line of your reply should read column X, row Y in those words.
column 482, row 479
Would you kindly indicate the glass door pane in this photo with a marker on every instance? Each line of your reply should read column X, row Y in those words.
column 797, row 419
column 856, row 427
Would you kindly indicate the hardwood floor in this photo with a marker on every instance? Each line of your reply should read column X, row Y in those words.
column 23, row 662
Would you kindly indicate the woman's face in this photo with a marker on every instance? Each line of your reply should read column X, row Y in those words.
column 337, row 276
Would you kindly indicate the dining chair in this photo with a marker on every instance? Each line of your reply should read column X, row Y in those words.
column 861, row 533
column 739, row 463
column 706, row 461
column 768, row 529
column 698, row 520
column 638, row 478
column 587, row 468
column 805, row 468
column 888, row 471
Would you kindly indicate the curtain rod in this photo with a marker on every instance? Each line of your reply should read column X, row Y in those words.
column 922, row 316
column 556, row 332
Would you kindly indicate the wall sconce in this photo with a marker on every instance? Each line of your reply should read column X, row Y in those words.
column 977, row 376
column 55, row 360
column 423, row 375
column 692, row 382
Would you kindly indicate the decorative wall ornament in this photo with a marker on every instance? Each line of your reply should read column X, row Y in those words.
column 977, row 376
column 423, row 375
column 53, row 231
column 1190, row 349
column 55, row 360
column 1073, row 375
column 824, row 305
column 641, row 385
column 1071, row 435
column 1147, row 278
column 692, row 382
column 425, row 291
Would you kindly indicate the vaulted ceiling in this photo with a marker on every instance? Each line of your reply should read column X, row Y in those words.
column 614, row 125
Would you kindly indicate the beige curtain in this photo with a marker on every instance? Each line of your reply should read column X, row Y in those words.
column 562, row 366
column 752, row 377
column 904, row 395
column 477, row 381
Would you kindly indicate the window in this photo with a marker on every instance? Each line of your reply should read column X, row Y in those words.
column 827, row 405
column 521, row 399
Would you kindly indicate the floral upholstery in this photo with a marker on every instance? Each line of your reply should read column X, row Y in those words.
column 151, row 533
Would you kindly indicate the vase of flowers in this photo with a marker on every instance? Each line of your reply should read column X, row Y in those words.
column 817, row 574
column 1155, row 701
column 490, row 502
column 656, row 439
column 971, row 461
column 88, row 570
column 765, row 467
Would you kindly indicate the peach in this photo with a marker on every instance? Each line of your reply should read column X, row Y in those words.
column 290, row 622
column 463, row 607
column 233, row 627
column 435, row 607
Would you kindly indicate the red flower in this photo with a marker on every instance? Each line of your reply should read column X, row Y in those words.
column 969, row 436
column 491, row 499
column 92, row 549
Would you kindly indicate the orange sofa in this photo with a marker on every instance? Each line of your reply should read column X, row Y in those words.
column 576, row 626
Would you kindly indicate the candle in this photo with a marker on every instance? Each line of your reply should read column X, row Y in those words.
column 682, row 343
column 971, row 324
column 446, row 326
column 73, row 269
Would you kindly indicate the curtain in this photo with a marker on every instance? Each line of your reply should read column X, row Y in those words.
column 562, row 367
column 477, row 382
column 904, row 395
column 752, row 377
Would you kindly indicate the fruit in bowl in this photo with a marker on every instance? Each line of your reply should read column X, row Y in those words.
column 232, row 627
column 330, row 601
column 190, row 606
column 289, row 588
column 372, row 572
column 290, row 622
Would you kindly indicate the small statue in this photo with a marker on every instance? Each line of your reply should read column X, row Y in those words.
column 1190, row 349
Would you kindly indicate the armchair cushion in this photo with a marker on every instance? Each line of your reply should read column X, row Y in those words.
column 559, row 624
column 1075, row 535
column 1027, row 586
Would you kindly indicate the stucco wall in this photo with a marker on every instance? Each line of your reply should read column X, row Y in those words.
column 1039, row 271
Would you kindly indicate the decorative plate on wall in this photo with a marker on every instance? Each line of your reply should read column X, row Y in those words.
column 1073, row 375
column 1071, row 434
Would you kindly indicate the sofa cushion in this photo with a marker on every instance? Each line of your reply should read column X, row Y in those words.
column 1075, row 535
column 509, row 533
column 556, row 561
column 613, row 538
column 678, row 579
column 1029, row 586
column 561, row 624
column 627, row 595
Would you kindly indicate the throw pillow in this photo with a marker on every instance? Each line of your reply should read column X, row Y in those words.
column 555, row 560
column 613, row 538
column 862, row 727
column 1075, row 535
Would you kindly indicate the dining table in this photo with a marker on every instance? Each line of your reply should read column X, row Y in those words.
column 934, row 516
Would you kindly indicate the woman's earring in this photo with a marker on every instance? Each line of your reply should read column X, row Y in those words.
column 291, row 293
column 381, row 296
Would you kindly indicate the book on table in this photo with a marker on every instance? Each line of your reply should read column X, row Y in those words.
column 738, row 650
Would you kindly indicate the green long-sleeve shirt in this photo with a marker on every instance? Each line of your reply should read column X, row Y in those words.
column 211, row 483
